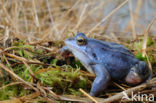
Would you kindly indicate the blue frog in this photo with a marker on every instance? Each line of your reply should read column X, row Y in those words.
column 108, row 61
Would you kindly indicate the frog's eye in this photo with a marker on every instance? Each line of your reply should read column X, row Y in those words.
column 81, row 41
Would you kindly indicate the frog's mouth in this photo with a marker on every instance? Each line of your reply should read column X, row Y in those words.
column 77, row 51
column 73, row 48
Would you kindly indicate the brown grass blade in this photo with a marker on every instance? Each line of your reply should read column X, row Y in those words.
column 144, row 46
column 109, row 15
column 90, row 97
column 16, row 76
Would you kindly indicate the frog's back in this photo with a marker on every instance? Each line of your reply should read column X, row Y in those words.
column 115, row 47
column 116, row 58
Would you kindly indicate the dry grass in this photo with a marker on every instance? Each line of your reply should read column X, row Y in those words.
column 46, row 20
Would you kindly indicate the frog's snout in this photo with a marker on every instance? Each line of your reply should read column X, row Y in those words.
column 69, row 41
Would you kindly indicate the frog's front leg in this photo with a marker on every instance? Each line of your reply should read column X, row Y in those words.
column 65, row 51
column 101, row 81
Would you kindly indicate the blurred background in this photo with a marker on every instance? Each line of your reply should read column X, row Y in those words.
column 46, row 20
column 32, row 31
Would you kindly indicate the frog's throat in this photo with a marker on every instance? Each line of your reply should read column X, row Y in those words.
column 87, row 66
column 70, row 46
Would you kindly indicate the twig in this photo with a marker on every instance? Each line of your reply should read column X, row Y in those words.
column 132, row 20
column 44, row 94
column 29, row 69
column 7, row 62
column 35, row 13
column 136, row 15
column 42, row 90
column 14, row 83
column 52, row 93
column 144, row 46
column 109, row 15
column 6, row 36
column 20, row 58
column 86, row 94
column 119, row 86
column 50, row 100
column 81, row 17
column 30, row 96
column 115, row 38
column 11, row 21
column 76, row 3
column 137, row 10
column 74, row 98
column 51, row 18
column 29, row 62
column 22, row 99
column 128, row 92
column 15, row 57
column 17, row 77
column 149, row 63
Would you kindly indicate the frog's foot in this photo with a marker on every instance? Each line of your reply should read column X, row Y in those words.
column 138, row 74
column 101, row 81
column 65, row 51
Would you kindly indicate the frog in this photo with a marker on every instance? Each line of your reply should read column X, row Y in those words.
column 108, row 61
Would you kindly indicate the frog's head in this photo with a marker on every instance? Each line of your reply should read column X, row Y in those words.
column 81, row 47
column 77, row 43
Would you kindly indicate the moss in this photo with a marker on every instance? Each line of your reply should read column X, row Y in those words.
column 13, row 91
column 140, row 57
column 63, row 81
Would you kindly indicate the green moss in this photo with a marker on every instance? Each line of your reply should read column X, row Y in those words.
column 140, row 57
column 13, row 91
column 137, row 47
column 63, row 81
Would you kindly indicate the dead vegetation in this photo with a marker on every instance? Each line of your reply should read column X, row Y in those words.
column 32, row 33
